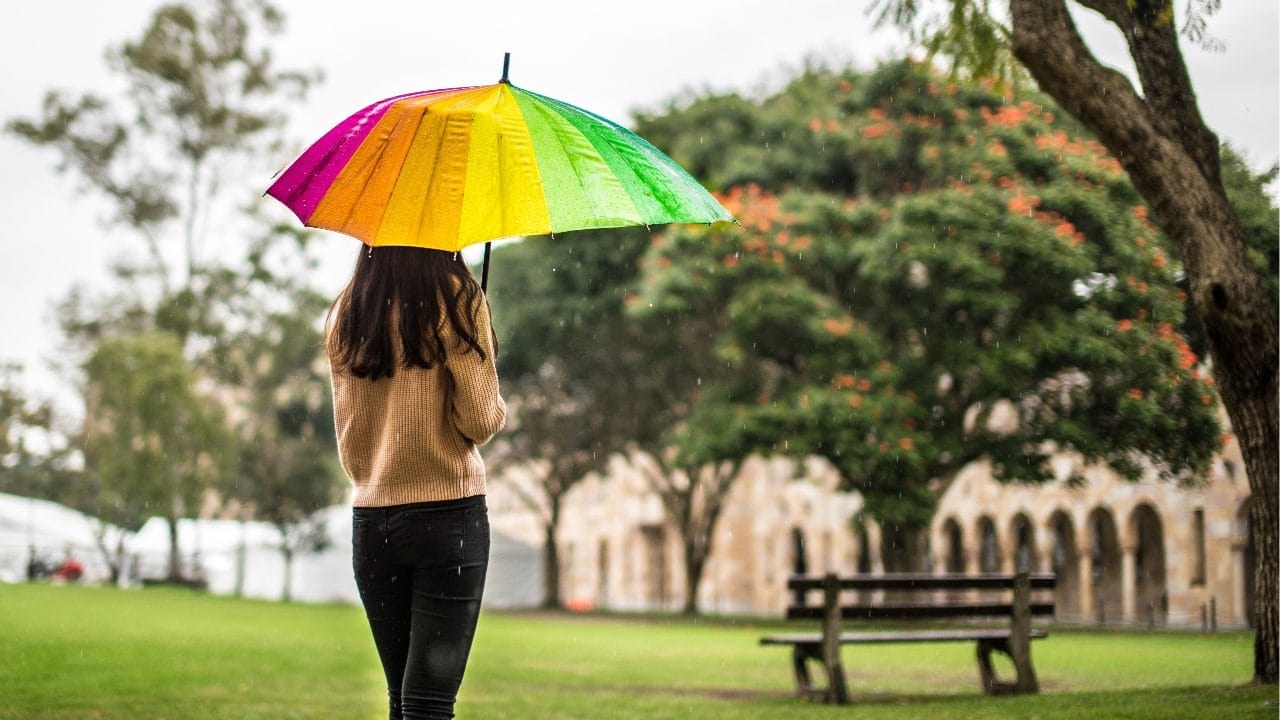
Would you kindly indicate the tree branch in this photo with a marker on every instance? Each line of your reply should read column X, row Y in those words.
column 1152, row 36
column 1046, row 41
column 538, row 508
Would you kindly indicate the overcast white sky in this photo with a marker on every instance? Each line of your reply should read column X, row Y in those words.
column 608, row 57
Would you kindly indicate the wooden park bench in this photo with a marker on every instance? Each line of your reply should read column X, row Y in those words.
column 961, row 600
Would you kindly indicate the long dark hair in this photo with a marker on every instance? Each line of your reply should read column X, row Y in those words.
column 417, row 289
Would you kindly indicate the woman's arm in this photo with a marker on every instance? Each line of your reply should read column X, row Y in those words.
column 479, row 411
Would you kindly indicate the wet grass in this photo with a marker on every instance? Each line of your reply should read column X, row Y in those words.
column 73, row 652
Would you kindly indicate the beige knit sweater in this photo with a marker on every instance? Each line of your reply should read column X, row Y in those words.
column 413, row 437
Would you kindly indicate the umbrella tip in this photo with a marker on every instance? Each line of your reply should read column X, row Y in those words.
column 506, row 65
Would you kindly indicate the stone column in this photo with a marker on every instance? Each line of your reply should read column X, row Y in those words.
column 873, row 548
column 1043, row 562
column 1085, row 563
column 1128, row 581
column 972, row 563
column 972, row 551
column 1045, row 543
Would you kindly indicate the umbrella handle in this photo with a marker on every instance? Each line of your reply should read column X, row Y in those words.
column 484, row 274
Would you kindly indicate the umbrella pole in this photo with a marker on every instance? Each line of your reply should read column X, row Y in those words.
column 484, row 273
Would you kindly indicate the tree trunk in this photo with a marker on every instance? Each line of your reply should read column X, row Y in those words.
column 551, row 558
column 1262, row 519
column 1172, row 159
column 240, row 559
column 694, row 562
column 286, row 594
column 550, row 569
column 175, row 553
column 902, row 547
column 114, row 560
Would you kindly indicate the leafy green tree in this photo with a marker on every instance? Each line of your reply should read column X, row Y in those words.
column 686, row 460
column 205, row 105
column 38, row 459
column 556, row 307
column 1174, row 160
column 152, row 443
column 287, row 468
column 585, row 381
column 21, row 417
column 981, row 283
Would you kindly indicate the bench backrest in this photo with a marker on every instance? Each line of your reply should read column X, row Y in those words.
column 915, row 595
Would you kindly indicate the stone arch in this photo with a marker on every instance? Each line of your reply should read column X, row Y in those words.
column 1022, row 542
column 953, row 541
column 1065, row 562
column 988, row 545
column 1108, row 583
column 1150, row 584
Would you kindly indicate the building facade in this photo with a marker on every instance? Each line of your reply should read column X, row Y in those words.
column 1147, row 552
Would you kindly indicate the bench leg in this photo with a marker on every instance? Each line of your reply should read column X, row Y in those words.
column 800, row 655
column 1026, row 681
column 836, row 690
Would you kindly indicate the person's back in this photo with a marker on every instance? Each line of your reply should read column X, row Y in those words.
column 413, row 437
column 415, row 387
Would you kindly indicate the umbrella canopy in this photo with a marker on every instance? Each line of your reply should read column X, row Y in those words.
column 448, row 168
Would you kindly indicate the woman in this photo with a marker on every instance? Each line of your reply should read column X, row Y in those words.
column 415, row 391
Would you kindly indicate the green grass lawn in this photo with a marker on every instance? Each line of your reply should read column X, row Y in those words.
column 75, row 652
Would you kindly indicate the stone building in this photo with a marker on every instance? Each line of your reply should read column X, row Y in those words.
column 1138, row 553
column 1147, row 552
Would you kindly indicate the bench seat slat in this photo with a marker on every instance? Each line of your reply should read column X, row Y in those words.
column 923, row 581
column 896, row 636
column 916, row 610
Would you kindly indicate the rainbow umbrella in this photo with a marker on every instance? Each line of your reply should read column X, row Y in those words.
column 449, row 168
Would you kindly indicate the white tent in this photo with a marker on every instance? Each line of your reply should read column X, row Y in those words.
column 213, row 551
column 46, row 531
column 514, row 579
column 216, row 550
column 515, row 573
column 227, row 554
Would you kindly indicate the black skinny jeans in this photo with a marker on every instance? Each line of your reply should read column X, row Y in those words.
column 420, row 569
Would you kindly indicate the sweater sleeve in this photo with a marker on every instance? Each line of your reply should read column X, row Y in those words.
column 479, row 411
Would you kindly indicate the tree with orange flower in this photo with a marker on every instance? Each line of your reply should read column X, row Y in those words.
column 942, row 282
column 1158, row 137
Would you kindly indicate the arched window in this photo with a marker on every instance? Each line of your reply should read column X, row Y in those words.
column 799, row 564
column 955, row 547
column 864, row 551
column 989, row 551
